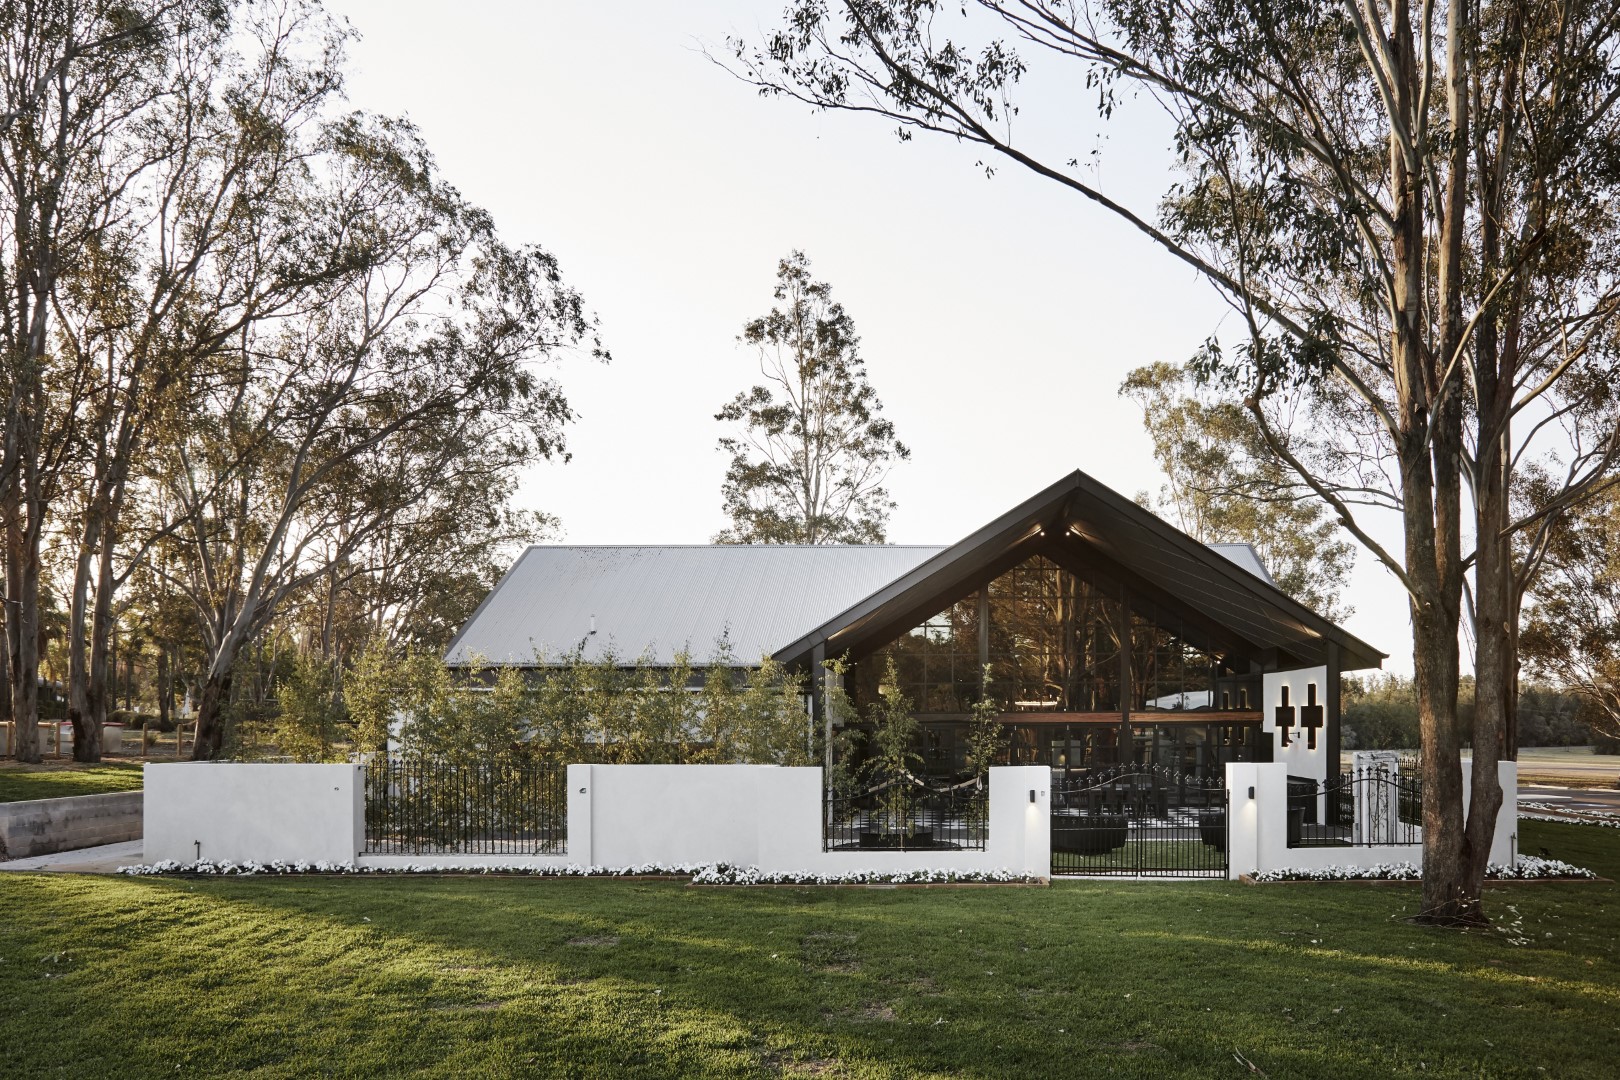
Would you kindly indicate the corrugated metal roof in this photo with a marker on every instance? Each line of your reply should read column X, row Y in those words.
column 655, row 601
column 1245, row 556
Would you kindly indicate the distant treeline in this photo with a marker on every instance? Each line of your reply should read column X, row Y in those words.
column 1380, row 713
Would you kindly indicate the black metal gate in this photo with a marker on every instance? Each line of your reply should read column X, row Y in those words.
column 1139, row 820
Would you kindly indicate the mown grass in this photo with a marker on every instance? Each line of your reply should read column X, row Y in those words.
column 475, row 977
column 55, row 780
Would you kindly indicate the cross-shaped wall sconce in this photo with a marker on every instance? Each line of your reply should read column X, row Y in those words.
column 1311, row 716
column 1285, row 715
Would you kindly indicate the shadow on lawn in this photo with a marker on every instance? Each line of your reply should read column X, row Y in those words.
column 1053, row 982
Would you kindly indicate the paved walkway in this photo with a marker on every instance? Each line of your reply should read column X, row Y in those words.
column 91, row 860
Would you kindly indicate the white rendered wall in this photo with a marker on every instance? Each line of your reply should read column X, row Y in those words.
column 770, row 817
column 618, row 816
column 1257, row 828
column 254, row 813
column 789, row 828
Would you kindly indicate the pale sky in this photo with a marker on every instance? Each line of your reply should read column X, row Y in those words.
column 998, row 315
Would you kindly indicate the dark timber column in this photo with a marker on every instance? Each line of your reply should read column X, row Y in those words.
column 1126, row 647
column 984, row 628
column 819, row 713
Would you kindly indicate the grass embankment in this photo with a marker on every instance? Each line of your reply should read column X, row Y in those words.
column 55, row 780
column 489, row 977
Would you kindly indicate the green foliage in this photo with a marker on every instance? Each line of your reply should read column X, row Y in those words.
column 307, row 712
column 1379, row 713
column 811, row 450
column 893, row 754
column 607, row 710
column 1571, row 634
column 986, row 742
column 1224, row 486
column 368, row 695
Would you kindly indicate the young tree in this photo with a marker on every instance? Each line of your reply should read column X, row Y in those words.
column 811, row 450
column 1224, row 485
column 1413, row 210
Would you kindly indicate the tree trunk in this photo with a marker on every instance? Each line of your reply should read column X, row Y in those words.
column 22, row 627
column 210, row 737
column 165, row 685
column 1493, row 636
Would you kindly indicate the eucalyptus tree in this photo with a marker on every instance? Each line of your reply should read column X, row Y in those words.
column 75, row 76
column 1572, row 634
column 1223, row 485
column 810, row 450
column 325, row 425
column 170, row 283
column 1413, row 211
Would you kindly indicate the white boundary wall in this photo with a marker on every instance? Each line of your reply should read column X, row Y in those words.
column 1257, row 828
column 254, row 813
column 618, row 816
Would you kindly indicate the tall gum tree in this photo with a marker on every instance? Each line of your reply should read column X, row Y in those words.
column 811, row 450
column 1413, row 210
column 163, row 294
column 325, row 425
column 70, row 74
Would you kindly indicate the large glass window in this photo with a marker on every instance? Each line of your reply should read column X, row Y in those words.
column 1053, row 643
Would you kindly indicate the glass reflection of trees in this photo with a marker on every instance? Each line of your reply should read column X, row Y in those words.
column 1053, row 645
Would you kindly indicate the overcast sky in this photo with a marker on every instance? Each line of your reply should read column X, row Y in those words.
column 998, row 315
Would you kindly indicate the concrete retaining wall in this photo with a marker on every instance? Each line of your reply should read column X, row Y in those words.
column 46, row 826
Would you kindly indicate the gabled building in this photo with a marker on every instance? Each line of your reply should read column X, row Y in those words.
column 1112, row 638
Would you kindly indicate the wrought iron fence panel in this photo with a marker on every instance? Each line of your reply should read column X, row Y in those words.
column 1365, row 807
column 424, row 806
column 955, row 818
column 1139, row 821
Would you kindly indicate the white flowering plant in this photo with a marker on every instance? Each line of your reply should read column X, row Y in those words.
column 700, row 873
column 1565, row 816
column 1527, row 867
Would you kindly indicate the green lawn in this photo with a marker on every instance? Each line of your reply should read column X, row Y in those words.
column 489, row 977
column 54, row 780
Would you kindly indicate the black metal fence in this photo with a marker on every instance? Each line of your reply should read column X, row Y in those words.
column 1139, row 821
column 1360, row 808
column 432, row 807
column 912, row 817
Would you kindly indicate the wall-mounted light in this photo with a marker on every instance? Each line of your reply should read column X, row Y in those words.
column 1031, row 794
column 1251, row 792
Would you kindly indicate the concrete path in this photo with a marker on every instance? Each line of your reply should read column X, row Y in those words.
column 105, row 859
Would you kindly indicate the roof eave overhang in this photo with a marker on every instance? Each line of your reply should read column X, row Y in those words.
column 1039, row 522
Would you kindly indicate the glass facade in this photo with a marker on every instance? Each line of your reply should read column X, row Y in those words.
column 1053, row 643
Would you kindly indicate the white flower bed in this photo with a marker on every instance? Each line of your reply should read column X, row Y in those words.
column 722, row 874
column 1603, row 818
column 701, row 874
column 1528, row 867
column 225, row 868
